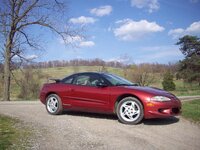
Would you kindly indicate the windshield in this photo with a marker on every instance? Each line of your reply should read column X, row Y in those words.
column 117, row 81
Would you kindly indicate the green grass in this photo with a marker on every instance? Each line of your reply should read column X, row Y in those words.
column 191, row 110
column 12, row 134
column 182, row 89
column 59, row 72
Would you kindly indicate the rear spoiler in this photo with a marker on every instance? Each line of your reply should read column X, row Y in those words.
column 56, row 80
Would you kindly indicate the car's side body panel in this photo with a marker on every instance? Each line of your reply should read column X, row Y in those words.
column 88, row 97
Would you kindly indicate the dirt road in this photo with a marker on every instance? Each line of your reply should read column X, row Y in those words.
column 87, row 131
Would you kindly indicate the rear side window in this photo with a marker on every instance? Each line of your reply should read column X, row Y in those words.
column 68, row 80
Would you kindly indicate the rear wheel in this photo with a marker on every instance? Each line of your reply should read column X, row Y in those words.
column 54, row 104
column 130, row 110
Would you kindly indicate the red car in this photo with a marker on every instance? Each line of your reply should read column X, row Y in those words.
column 108, row 93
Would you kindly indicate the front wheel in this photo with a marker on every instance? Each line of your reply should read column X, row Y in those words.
column 130, row 110
column 54, row 104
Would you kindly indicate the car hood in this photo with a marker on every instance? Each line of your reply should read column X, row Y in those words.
column 150, row 90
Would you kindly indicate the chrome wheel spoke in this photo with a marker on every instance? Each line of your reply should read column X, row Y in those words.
column 129, row 116
column 54, row 102
column 134, row 106
column 136, row 112
column 125, row 106
column 125, row 112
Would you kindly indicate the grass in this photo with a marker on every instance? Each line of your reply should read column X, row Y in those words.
column 186, row 89
column 13, row 135
column 59, row 72
column 191, row 110
column 182, row 89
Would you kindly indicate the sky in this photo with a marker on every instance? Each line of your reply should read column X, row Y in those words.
column 129, row 31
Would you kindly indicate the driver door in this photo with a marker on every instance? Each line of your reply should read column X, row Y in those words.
column 86, row 95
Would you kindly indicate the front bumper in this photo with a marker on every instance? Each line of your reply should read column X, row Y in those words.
column 162, row 109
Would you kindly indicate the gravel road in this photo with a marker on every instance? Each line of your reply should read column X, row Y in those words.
column 78, row 131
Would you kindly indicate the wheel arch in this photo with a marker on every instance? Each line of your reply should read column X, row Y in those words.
column 49, row 93
column 120, row 97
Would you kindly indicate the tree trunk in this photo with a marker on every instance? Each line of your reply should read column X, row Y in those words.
column 7, row 73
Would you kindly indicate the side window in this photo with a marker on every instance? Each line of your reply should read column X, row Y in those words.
column 68, row 80
column 82, row 80
column 95, row 79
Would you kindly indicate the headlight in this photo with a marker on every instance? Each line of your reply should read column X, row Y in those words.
column 160, row 98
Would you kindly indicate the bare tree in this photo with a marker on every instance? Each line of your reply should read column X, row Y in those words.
column 103, row 68
column 142, row 74
column 17, row 18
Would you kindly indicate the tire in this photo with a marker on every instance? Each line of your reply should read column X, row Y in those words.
column 130, row 111
column 54, row 104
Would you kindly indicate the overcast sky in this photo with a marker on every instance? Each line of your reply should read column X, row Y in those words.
column 144, row 30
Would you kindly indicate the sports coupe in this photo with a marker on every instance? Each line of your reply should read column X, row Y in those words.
column 108, row 93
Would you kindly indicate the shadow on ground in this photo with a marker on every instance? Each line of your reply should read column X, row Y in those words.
column 157, row 121
column 91, row 115
column 160, row 121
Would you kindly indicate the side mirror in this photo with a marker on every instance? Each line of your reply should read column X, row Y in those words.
column 100, row 84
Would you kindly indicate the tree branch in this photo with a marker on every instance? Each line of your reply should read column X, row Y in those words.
column 26, row 11
column 27, row 39
column 31, row 23
column 19, row 5
column 42, row 23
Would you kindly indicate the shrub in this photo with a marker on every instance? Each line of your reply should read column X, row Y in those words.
column 30, row 84
column 168, row 83
column 141, row 74
column 103, row 69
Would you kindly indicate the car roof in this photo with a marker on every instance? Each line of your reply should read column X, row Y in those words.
column 95, row 73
